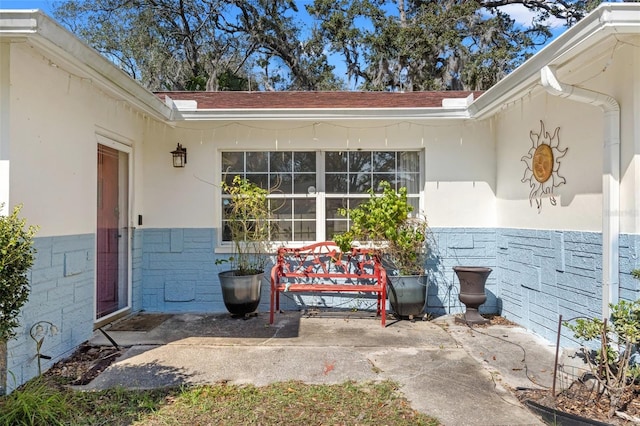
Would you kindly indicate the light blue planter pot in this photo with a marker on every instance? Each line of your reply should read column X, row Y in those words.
column 407, row 294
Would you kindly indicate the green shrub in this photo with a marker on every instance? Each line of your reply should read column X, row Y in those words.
column 387, row 223
column 16, row 257
column 618, row 340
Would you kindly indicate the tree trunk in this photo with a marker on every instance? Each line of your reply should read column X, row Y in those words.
column 3, row 367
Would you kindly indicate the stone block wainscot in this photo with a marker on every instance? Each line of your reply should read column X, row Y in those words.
column 62, row 292
column 537, row 275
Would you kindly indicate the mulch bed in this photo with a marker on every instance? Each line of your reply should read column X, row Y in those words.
column 582, row 399
column 86, row 363
column 493, row 320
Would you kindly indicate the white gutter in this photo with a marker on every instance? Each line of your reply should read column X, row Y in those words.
column 5, row 134
column 452, row 108
column 324, row 114
column 610, row 178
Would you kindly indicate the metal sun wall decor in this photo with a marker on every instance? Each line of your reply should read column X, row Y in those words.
column 543, row 165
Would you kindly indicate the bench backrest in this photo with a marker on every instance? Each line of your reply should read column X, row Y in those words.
column 324, row 263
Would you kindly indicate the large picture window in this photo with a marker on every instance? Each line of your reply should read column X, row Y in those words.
column 308, row 187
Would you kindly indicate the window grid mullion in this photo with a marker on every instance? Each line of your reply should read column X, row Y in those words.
column 320, row 196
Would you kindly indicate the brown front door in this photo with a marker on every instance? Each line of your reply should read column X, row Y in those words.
column 111, row 233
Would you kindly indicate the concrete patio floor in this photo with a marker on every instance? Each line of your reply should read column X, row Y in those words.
column 461, row 375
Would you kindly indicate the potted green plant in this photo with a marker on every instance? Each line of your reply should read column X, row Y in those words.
column 16, row 258
column 386, row 222
column 246, row 222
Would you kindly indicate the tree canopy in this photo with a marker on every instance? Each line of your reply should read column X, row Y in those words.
column 381, row 45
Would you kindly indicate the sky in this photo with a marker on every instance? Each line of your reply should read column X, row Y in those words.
column 517, row 12
column 45, row 5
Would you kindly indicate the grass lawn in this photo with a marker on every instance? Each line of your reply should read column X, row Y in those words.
column 44, row 401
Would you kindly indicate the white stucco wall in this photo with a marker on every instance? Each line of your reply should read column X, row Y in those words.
column 461, row 175
column 55, row 116
column 579, row 202
column 5, row 85
column 459, row 164
column 629, row 93
column 614, row 72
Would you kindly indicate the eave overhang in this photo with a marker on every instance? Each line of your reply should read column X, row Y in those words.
column 607, row 20
column 66, row 51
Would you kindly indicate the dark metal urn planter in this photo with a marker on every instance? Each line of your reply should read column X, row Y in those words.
column 472, row 282
column 240, row 293
column 407, row 295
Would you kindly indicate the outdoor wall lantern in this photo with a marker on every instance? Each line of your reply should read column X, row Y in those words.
column 179, row 156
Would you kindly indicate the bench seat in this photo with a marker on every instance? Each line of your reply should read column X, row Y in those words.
column 321, row 267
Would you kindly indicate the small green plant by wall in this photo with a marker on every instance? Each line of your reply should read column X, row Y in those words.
column 618, row 340
column 385, row 220
column 16, row 258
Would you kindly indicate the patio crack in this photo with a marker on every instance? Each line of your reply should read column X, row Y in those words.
column 374, row 367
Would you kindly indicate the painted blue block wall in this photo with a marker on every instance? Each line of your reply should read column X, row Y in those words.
column 62, row 292
column 545, row 274
column 137, row 270
column 537, row 274
column 451, row 247
column 179, row 272
column 629, row 260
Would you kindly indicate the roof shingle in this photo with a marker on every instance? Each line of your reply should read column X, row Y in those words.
column 314, row 100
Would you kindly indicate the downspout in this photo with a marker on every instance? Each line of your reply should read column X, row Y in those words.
column 5, row 134
column 610, row 178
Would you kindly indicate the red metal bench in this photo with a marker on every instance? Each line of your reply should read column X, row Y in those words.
column 321, row 267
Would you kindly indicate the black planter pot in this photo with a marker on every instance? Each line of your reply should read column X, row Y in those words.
column 240, row 293
column 472, row 282
column 551, row 416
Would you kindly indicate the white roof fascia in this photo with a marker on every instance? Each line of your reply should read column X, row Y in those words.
column 607, row 19
column 324, row 114
column 43, row 32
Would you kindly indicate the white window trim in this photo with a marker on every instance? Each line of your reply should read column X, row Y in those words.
column 226, row 247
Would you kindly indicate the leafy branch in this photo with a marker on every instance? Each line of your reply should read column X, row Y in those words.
column 385, row 222
column 246, row 216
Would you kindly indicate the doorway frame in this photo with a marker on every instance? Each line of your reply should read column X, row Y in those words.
column 125, row 145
